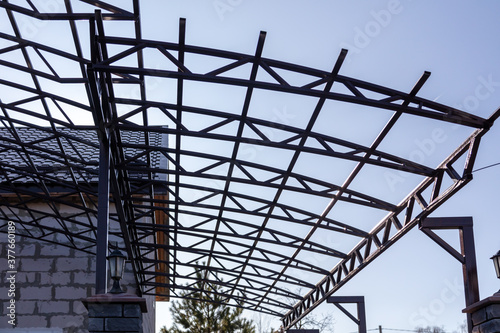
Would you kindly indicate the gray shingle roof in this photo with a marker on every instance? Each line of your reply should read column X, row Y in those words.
column 30, row 153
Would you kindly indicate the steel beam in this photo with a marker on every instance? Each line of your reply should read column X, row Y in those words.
column 236, row 147
column 466, row 256
column 360, row 320
column 101, row 95
column 392, row 101
column 353, row 153
column 102, row 220
column 116, row 13
column 372, row 246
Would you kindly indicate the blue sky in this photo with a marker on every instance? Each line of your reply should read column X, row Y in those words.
column 390, row 43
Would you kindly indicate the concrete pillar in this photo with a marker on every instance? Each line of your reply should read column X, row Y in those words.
column 115, row 313
column 485, row 314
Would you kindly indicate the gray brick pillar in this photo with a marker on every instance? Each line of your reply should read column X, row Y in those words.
column 115, row 313
column 485, row 314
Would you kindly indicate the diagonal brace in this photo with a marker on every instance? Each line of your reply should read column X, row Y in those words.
column 466, row 256
column 360, row 303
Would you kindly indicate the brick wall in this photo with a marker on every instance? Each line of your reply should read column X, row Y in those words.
column 485, row 315
column 51, row 281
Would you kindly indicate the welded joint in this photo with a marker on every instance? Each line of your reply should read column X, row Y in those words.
column 360, row 319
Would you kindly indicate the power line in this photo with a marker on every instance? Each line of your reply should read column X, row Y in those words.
column 486, row 167
column 394, row 329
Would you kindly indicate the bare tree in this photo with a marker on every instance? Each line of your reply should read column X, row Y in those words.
column 462, row 328
column 429, row 329
column 323, row 321
column 262, row 324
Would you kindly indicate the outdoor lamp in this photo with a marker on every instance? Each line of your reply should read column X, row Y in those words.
column 116, row 265
column 496, row 262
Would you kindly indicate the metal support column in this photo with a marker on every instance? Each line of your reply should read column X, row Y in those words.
column 360, row 302
column 467, row 254
column 102, row 219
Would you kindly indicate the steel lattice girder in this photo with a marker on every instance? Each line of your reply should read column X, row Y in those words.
column 224, row 208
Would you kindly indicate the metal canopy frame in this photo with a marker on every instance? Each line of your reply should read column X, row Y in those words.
column 241, row 217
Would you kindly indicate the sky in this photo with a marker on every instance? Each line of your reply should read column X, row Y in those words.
column 391, row 43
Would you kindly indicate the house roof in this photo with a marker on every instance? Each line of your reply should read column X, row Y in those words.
column 65, row 155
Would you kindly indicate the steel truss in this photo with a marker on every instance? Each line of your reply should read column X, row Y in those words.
column 210, row 205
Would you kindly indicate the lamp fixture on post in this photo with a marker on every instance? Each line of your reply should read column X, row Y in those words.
column 496, row 262
column 116, row 265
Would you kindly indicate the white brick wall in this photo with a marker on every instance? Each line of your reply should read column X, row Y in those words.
column 50, row 283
